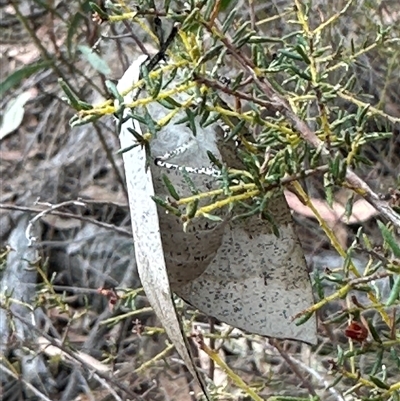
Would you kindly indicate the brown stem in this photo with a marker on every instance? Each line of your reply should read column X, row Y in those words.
column 279, row 103
column 293, row 367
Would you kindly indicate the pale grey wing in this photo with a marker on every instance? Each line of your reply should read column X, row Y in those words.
column 149, row 250
column 187, row 254
column 257, row 282
column 146, row 233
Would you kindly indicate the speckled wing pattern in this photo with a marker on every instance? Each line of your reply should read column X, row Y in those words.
column 257, row 282
column 236, row 271
column 187, row 253
column 146, row 232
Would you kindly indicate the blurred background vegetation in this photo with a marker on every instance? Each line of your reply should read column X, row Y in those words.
column 72, row 309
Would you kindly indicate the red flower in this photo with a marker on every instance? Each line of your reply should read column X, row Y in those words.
column 357, row 332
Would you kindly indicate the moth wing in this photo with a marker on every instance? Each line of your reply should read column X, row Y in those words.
column 258, row 282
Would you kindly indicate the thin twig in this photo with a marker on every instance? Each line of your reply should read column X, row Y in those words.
column 28, row 232
column 107, row 386
column 294, row 368
column 152, row 361
column 314, row 373
column 21, row 380
column 76, row 357
column 248, row 187
column 280, row 104
column 107, row 226
column 211, row 369
column 111, row 159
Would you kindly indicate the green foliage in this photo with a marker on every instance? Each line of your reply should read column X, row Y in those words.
column 298, row 98
column 291, row 98
column 15, row 79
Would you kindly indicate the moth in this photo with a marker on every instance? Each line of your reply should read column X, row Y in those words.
column 237, row 271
